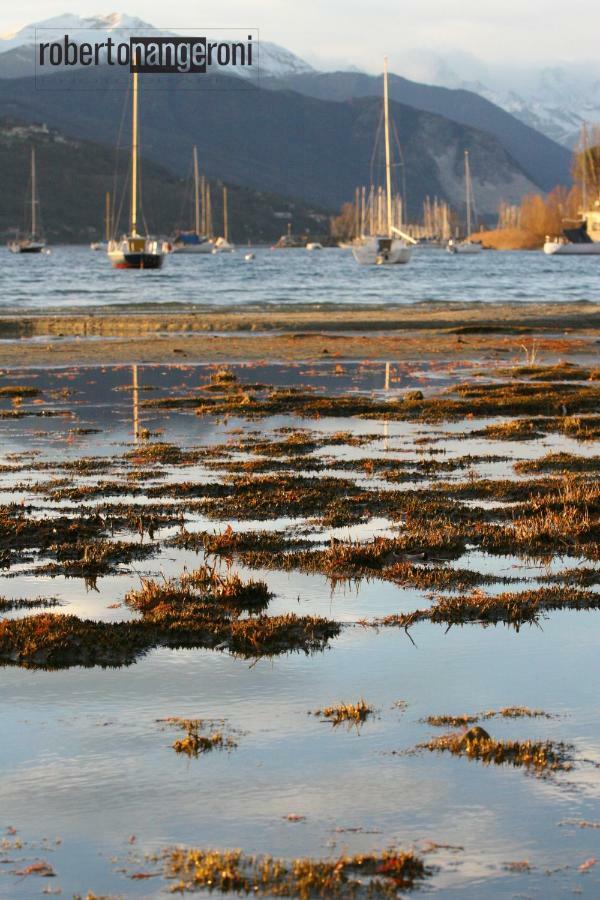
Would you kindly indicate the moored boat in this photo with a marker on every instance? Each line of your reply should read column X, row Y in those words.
column 32, row 242
column 103, row 245
column 223, row 244
column 467, row 245
column 134, row 250
column 393, row 247
column 196, row 240
column 578, row 241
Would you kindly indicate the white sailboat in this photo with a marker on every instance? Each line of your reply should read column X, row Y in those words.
column 33, row 242
column 134, row 250
column 466, row 246
column 103, row 245
column 394, row 246
column 194, row 241
column 223, row 244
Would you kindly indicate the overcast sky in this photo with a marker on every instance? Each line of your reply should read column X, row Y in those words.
column 360, row 32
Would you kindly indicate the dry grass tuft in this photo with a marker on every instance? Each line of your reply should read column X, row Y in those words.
column 346, row 713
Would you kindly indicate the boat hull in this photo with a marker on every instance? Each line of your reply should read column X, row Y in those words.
column 26, row 247
column 556, row 248
column 135, row 252
column 136, row 260
column 382, row 252
column 205, row 247
column 464, row 247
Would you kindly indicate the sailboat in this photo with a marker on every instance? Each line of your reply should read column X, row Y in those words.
column 103, row 245
column 222, row 244
column 466, row 246
column 394, row 246
column 194, row 241
column 33, row 243
column 134, row 251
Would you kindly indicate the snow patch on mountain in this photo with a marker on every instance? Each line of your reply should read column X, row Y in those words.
column 274, row 61
column 554, row 99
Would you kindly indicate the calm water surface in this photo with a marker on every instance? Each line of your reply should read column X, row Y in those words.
column 74, row 277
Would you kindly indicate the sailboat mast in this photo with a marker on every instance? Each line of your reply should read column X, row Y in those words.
column 196, row 193
column 134, row 156
column 388, row 173
column 33, row 190
column 225, row 216
column 468, row 189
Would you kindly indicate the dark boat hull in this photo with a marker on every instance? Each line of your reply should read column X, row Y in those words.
column 139, row 261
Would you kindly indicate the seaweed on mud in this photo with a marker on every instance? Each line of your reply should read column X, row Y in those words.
column 583, row 576
column 466, row 399
column 7, row 605
column 20, row 531
column 94, row 558
column 506, row 712
column 163, row 454
column 511, row 608
column 195, row 742
column 19, row 390
column 561, row 371
column 228, row 542
column 541, row 757
column 332, row 500
column 515, row 430
column 560, row 463
column 199, row 610
column 199, row 590
column 381, row 874
column 346, row 713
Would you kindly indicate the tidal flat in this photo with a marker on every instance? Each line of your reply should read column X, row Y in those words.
column 302, row 628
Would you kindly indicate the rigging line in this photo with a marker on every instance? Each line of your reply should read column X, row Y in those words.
column 376, row 147
column 125, row 186
column 116, row 219
column 186, row 197
column 402, row 166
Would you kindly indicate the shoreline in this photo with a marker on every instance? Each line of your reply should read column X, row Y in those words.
column 433, row 331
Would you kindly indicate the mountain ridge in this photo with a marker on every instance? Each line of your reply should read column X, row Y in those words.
column 278, row 141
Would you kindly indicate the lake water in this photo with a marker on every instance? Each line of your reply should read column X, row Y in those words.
column 75, row 277
column 87, row 775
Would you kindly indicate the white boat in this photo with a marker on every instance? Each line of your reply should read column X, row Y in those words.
column 195, row 241
column 134, row 250
column 581, row 240
column 379, row 251
column 314, row 245
column 466, row 246
column 463, row 246
column 394, row 247
column 190, row 242
column 223, row 244
column 33, row 242
column 562, row 247
column 103, row 245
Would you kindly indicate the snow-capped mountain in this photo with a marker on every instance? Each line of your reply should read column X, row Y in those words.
column 110, row 24
column 555, row 100
column 16, row 57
